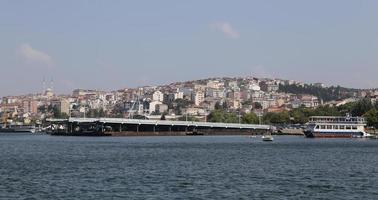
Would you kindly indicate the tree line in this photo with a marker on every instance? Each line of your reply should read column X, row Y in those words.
column 363, row 107
column 324, row 93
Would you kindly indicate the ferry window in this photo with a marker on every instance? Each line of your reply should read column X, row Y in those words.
column 342, row 127
column 348, row 127
column 335, row 127
column 322, row 126
column 354, row 127
column 317, row 127
column 329, row 127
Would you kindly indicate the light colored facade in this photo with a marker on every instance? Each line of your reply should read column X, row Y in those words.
column 199, row 97
column 30, row 106
column 158, row 96
column 178, row 95
column 152, row 106
column 215, row 84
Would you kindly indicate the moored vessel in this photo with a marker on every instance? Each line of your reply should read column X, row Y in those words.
column 336, row 127
column 18, row 128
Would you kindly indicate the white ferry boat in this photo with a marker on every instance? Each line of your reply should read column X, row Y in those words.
column 336, row 127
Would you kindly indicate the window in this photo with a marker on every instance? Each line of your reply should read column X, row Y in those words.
column 342, row 127
column 329, row 126
column 322, row 126
column 317, row 127
column 354, row 127
column 335, row 127
column 347, row 127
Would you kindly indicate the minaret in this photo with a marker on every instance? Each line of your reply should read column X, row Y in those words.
column 52, row 84
column 43, row 86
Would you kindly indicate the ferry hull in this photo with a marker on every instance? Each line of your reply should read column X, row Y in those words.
column 17, row 130
column 332, row 135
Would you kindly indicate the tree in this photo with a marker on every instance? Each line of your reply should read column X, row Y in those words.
column 326, row 111
column 41, row 109
column 216, row 116
column 250, row 118
column 325, row 93
column 101, row 113
column 361, row 107
column 56, row 112
column 217, row 106
column 230, row 118
column 179, row 104
column 346, row 108
column 277, row 118
column 225, row 106
column 299, row 116
column 257, row 105
column 372, row 117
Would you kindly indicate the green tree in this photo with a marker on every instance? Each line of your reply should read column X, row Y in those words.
column 361, row 107
column 372, row 117
column 277, row 118
column 217, row 106
column 299, row 116
column 56, row 112
column 326, row 111
column 225, row 106
column 250, row 118
column 346, row 108
column 179, row 104
column 257, row 105
column 230, row 118
column 216, row 116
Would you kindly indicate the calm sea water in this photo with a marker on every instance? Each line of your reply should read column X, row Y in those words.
column 197, row 167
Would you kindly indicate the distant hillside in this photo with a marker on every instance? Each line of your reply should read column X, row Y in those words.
column 324, row 93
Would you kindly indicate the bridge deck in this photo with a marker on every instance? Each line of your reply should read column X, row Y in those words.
column 170, row 123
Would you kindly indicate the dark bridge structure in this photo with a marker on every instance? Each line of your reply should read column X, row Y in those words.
column 136, row 127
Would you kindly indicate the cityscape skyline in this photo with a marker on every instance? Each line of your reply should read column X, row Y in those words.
column 96, row 45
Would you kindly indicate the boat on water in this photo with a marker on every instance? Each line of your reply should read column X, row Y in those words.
column 336, row 127
column 267, row 138
column 18, row 128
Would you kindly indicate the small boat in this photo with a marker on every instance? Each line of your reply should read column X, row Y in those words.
column 267, row 138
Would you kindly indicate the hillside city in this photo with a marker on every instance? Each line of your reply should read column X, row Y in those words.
column 191, row 100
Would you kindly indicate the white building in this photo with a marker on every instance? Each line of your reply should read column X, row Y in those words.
column 153, row 105
column 199, row 97
column 215, row 84
column 233, row 84
column 158, row 96
column 178, row 95
column 254, row 87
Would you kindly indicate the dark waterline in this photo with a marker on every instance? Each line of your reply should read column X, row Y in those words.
column 196, row 167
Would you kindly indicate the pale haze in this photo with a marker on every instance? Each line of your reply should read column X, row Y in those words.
column 116, row 44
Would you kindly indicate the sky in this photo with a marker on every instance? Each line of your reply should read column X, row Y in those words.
column 108, row 45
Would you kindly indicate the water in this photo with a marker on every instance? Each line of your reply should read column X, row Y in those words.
column 197, row 167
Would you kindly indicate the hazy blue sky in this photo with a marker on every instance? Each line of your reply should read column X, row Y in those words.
column 116, row 44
